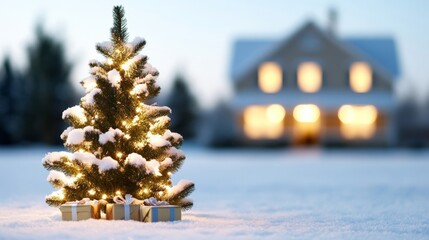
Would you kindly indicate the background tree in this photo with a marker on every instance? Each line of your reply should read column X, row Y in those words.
column 8, row 103
column 119, row 144
column 184, row 118
column 48, row 88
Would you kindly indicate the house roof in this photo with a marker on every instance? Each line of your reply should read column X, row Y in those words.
column 380, row 51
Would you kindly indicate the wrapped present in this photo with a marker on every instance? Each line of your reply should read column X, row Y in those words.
column 123, row 209
column 154, row 211
column 80, row 210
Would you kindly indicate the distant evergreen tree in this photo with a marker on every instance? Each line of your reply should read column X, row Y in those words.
column 185, row 110
column 48, row 88
column 8, row 107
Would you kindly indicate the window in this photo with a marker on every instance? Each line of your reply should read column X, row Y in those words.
column 309, row 77
column 261, row 122
column 270, row 77
column 306, row 113
column 360, row 77
column 357, row 122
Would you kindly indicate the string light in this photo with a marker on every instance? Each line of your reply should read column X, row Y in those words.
column 118, row 192
column 124, row 123
column 169, row 174
column 109, row 61
column 138, row 110
column 81, row 150
column 96, row 116
column 104, row 196
column 79, row 175
column 125, row 66
column 127, row 136
column 146, row 190
column 119, row 154
column 160, row 192
column 91, row 192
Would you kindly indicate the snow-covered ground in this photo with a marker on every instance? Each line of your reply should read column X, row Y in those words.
column 247, row 194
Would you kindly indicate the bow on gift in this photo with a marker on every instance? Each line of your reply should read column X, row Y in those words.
column 153, row 202
column 74, row 204
column 127, row 201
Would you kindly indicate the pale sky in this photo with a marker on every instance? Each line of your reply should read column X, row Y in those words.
column 195, row 36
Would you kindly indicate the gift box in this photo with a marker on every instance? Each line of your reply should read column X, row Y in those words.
column 160, row 213
column 76, row 211
column 122, row 211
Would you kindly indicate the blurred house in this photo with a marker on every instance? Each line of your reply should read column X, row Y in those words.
column 314, row 87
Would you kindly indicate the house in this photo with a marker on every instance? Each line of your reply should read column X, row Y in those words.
column 314, row 87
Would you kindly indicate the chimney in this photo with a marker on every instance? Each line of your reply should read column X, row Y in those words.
column 332, row 21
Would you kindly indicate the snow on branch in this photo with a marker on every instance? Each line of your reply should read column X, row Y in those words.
column 136, row 160
column 53, row 157
column 181, row 186
column 109, row 136
column 77, row 136
column 114, row 78
column 88, row 99
column 89, row 83
column 75, row 112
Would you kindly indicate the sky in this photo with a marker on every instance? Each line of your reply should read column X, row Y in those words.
column 195, row 37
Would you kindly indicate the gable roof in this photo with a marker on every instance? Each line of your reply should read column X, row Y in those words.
column 379, row 51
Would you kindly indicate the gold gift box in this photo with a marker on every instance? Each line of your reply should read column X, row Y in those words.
column 83, row 211
column 117, row 212
column 160, row 213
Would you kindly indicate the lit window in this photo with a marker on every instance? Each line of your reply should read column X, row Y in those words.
column 309, row 77
column 360, row 77
column 306, row 113
column 270, row 77
column 357, row 121
column 264, row 121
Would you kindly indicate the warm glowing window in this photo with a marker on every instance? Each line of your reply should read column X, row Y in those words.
column 306, row 113
column 264, row 121
column 270, row 77
column 309, row 77
column 360, row 77
column 357, row 121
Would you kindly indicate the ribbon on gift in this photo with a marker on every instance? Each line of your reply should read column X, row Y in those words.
column 155, row 203
column 74, row 204
column 127, row 201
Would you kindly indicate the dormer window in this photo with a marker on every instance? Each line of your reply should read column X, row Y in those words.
column 309, row 77
column 270, row 77
column 360, row 77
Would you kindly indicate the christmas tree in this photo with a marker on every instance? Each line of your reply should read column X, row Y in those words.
column 118, row 144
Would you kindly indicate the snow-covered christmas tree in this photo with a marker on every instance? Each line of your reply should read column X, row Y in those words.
column 119, row 144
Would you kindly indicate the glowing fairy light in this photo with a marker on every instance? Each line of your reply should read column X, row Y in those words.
column 104, row 196
column 91, row 192
column 146, row 190
column 119, row 154
column 138, row 110
column 126, row 66
column 109, row 61
column 127, row 136
column 169, row 173
column 118, row 192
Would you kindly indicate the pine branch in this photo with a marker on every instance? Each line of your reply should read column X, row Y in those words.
column 119, row 29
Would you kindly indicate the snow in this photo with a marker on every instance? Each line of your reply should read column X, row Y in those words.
column 89, row 83
column 182, row 184
column 107, row 163
column 75, row 111
column 88, row 99
column 152, row 166
column 167, row 162
column 86, row 158
column 114, row 78
column 55, row 175
column 109, row 136
column 246, row 194
column 75, row 136
column 157, row 141
column 136, row 160
column 132, row 45
column 140, row 89
column 53, row 157
column 106, row 45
